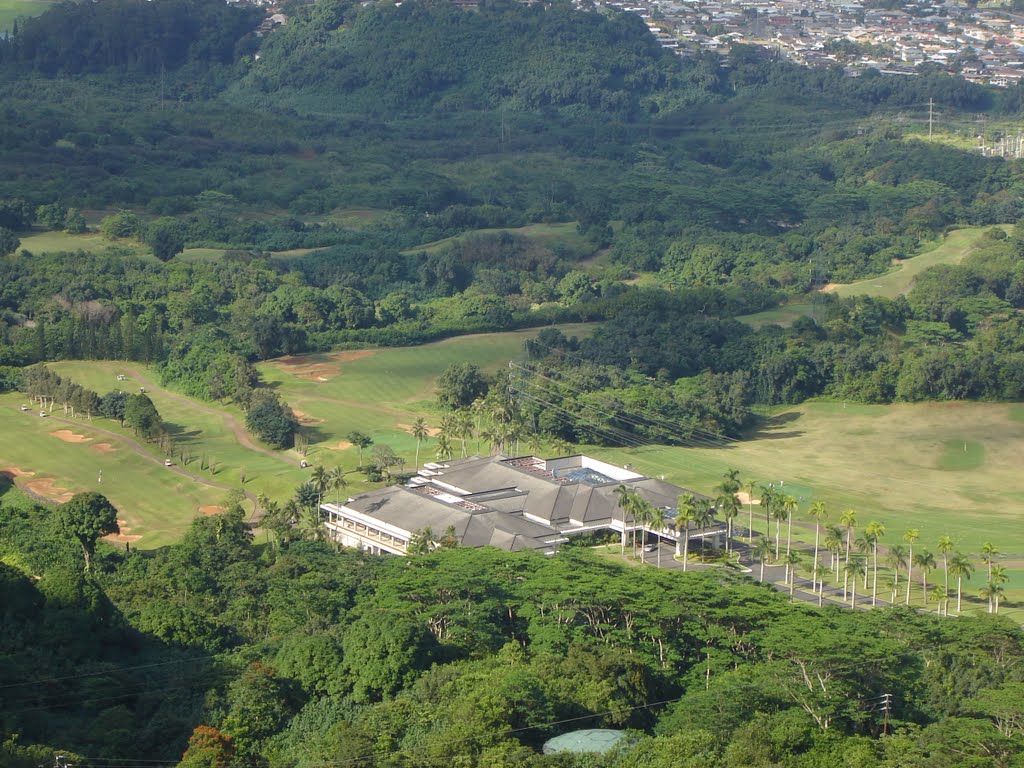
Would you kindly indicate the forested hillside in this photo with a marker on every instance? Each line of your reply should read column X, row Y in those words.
column 297, row 655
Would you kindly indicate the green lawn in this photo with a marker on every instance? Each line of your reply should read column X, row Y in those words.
column 951, row 250
column 547, row 234
column 91, row 242
column 150, row 499
column 897, row 464
column 13, row 9
column 784, row 315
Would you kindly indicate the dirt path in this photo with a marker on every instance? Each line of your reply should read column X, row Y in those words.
column 236, row 429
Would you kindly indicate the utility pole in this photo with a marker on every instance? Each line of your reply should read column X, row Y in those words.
column 886, row 707
column 931, row 115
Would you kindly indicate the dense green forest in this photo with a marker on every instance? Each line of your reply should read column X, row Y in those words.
column 294, row 654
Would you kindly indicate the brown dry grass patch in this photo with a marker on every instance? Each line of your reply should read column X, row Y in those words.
column 70, row 437
column 104, row 448
column 321, row 368
column 305, row 418
column 48, row 489
column 211, row 509
column 15, row 472
column 342, row 445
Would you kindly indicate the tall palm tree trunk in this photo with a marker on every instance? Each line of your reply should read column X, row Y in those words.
column 814, row 577
column 874, row 576
column 910, row 571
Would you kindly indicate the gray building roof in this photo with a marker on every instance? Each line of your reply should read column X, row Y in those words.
column 512, row 503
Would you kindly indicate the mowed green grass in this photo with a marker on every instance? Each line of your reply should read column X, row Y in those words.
column 90, row 242
column 376, row 393
column 951, row 250
column 381, row 392
column 897, row 464
column 560, row 232
column 150, row 499
column 14, row 9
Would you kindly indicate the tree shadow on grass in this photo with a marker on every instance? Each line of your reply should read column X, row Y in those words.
column 770, row 427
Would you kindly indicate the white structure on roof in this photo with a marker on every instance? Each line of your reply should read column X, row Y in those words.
column 517, row 503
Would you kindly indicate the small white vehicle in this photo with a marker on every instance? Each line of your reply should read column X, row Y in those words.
column 43, row 414
column 24, row 407
column 168, row 463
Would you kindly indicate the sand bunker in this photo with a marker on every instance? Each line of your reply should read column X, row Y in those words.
column 123, row 537
column 103, row 448
column 431, row 431
column 16, row 472
column 322, row 368
column 343, row 445
column 46, row 487
column 211, row 509
column 306, row 419
column 70, row 437
column 744, row 498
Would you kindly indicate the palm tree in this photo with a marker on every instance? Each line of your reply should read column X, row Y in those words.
column 854, row 568
column 834, row 544
column 874, row 531
column 910, row 537
column 750, row 486
column 819, row 512
column 761, row 550
column 992, row 592
column 420, row 431
column 791, row 505
column 336, row 480
column 729, row 503
column 625, row 496
column 988, row 554
column 421, row 542
column 925, row 561
column 705, row 517
column 995, row 586
column 961, row 568
column 780, row 512
column 945, row 546
column 896, row 560
column 849, row 521
column 686, row 513
column 768, row 499
column 791, row 560
column 649, row 516
column 444, row 447
column 320, row 481
column 464, row 427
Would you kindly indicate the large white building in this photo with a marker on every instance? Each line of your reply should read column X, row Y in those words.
column 514, row 503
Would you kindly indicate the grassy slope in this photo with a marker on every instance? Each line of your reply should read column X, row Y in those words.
column 953, row 248
column 13, row 9
column 547, row 234
column 91, row 242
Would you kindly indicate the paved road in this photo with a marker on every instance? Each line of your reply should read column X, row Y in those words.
column 775, row 576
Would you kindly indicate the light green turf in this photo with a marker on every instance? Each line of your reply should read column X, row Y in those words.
column 951, row 250
column 561, row 232
column 785, row 315
column 91, row 242
column 883, row 461
column 375, row 394
column 13, row 9
column 150, row 499
column 962, row 455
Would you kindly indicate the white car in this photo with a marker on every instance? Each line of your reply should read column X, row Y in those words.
column 168, row 463
column 43, row 414
column 24, row 407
